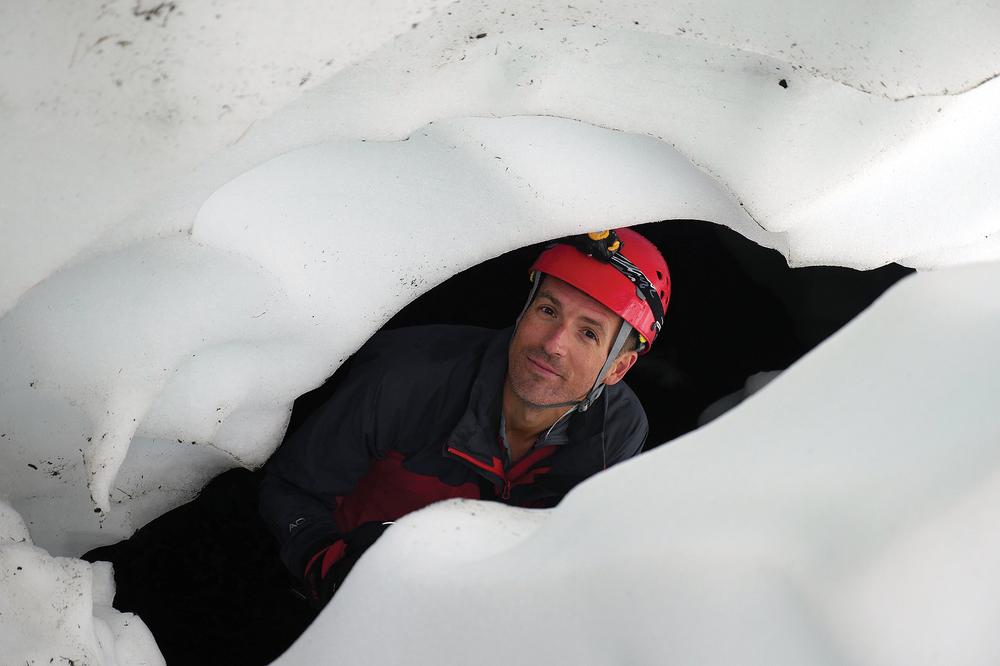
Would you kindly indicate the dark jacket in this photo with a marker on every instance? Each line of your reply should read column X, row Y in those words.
column 416, row 421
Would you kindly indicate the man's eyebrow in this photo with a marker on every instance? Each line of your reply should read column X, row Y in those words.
column 593, row 322
column 555, row 301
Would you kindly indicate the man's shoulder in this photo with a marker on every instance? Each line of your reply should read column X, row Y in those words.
column 430, row 351
column 431, row 342
column 625, row 419
column 621, row 398
column 434, row 334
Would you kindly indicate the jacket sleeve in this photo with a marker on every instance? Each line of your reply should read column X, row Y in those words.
column 322, row 460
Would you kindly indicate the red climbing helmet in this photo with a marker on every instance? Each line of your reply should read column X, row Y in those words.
column 619, row 268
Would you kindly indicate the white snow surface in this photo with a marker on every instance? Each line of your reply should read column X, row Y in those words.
column 207, row 207
column 58, row 609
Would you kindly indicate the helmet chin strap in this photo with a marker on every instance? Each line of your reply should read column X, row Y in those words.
column 616, row 348
column 535, row 281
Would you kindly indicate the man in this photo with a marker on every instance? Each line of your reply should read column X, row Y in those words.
column 429, row 413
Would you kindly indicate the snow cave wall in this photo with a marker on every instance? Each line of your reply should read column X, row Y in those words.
column 177, row 271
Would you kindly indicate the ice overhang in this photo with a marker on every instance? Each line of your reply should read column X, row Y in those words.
column 793, row 125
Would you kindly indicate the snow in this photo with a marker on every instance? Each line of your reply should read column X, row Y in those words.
column 206, row 212
column 59, row 608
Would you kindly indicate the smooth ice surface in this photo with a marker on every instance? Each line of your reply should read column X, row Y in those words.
column 206, row 207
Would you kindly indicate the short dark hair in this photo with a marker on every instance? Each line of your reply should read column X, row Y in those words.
column 631, row 342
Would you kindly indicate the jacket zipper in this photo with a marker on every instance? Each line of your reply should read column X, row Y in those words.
column 496, row 470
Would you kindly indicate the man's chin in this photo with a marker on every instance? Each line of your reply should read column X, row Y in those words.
column 540, row 399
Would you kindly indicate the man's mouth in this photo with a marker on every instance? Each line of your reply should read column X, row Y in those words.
column 544, row 367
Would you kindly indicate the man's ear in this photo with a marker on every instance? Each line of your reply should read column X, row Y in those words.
column 621, row 365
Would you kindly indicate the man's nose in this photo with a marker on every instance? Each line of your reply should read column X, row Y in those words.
column 555, row 342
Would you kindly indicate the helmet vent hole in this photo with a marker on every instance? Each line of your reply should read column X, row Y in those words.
column 660, row 276
column 661, row 293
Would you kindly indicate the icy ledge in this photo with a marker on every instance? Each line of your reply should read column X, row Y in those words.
column 58, row 609
column 844, row 514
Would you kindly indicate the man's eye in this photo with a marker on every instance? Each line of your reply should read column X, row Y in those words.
column 545, row 309
column 590, row 334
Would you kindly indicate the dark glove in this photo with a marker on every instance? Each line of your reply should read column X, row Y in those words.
column 327, row 569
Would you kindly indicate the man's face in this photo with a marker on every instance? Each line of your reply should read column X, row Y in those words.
column 561, row 344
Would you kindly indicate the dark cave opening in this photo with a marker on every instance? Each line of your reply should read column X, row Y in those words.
column 206, row 578
column 736, row 309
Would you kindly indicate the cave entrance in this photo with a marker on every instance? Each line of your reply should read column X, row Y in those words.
column 737, row 310
column 206, row 578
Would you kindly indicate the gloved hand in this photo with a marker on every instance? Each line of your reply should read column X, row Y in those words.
column 327, row 569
